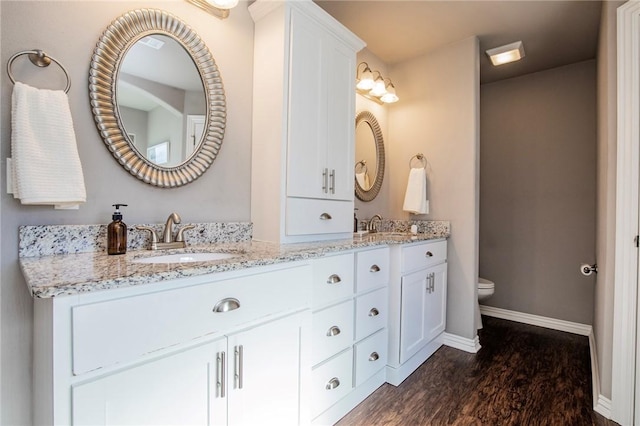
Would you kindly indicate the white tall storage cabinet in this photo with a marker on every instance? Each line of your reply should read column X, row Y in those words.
column 303, row 123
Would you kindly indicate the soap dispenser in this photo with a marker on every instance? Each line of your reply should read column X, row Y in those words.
column 117, row 233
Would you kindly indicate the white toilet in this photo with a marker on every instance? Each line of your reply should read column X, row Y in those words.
column 485, row 289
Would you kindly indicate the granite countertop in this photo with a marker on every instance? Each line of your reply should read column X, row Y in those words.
column 66, row 274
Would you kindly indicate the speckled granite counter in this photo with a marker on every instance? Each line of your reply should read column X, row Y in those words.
column 59, row 275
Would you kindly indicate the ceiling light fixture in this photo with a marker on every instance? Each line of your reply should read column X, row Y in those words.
column 505, row 54
column 218, row 8
column 378, row 90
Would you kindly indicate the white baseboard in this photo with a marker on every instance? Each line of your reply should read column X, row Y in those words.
column 540, row 321
column 601, row 404
column 462, row 343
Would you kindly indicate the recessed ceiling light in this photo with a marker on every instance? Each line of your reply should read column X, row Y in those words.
column 508, row 53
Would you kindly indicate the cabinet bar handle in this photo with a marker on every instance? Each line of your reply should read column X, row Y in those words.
column 374, row 356
column 428, row 254
column 333, row 331
column 325, row 216
column 324, row 180
column 220, row 370
column 226, row 305
column 334, row 279
column 332, row 384
column 428, row 286
column 332, row 175
column 374, row 312
column 433, row 281
column 238, row 367
column 374, row 268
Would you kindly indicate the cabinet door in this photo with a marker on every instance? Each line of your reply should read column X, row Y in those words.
column 423, row 309
column 307, row 173
column 321, row 113
column 264, row 374
column 176, row 390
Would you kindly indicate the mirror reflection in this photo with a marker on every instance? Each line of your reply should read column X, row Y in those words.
column 161, row 100
column 366, row 155
column 370, row 159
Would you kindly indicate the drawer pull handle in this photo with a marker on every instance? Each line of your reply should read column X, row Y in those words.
column 325, row 216
column 429, row 254
column 332, row 384
column 226, row 305
column 374, row 268
column 374, row 312
column 334, row 279
column 374, row 356
column 333, row 331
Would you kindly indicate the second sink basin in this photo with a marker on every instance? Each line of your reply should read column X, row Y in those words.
column 185, row 257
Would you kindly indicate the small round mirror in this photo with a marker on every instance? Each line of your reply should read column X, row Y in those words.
column 370, row 158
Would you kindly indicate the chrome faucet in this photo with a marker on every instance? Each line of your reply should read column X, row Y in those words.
column 371, row 225
column 167, row 236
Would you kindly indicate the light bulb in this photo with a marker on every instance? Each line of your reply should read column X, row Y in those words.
column 378, row 88
column 366, row 80
column 390, row 97
column 223, row 4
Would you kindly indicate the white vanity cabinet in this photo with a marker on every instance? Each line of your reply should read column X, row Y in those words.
column 224, row 349
column 350, row 311
column 418, row 299
column 303, row 123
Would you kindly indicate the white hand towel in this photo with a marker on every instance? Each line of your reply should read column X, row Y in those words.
column 415, row 199
column 46, row 164
column 363, row 180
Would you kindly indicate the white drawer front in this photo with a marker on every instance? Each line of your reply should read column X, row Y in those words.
column 423, row 255
column 122, row 330
column 331, row 382
column 332, row 331
column 370, row 356
column 332, row 279
column 306, row 216
column 372, row 269
column 371, row 312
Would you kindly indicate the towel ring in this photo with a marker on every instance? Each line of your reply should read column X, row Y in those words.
column 419, row 157
column 39, row 59
column 363, row 166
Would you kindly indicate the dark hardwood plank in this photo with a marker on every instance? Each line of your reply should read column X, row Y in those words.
column 523, row 375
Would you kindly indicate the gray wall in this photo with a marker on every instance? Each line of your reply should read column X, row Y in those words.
column 538, row 191
column 69, row 31
column 606, row 213
column 437, row 115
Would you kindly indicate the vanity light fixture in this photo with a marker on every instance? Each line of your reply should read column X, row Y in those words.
column 218, row 8
column 377, row 90
column 505, row 54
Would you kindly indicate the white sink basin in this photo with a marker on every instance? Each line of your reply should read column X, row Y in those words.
column 185, row 257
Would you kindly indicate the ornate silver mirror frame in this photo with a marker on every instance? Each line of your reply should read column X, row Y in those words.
column 365, row 117
column 105, row 63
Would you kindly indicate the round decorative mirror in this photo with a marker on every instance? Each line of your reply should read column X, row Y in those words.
column 157, row 98
column 369, row 167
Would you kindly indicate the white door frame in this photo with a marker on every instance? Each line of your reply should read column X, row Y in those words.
column 625, row 324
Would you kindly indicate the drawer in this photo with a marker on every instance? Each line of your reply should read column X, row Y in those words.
column 332, row 279
column 124, row 329
column 423, row 255
column 331, row 382
column 332, row 331
column 306, row 216
column 371, row 312
column 372, row 269
column 370, row 356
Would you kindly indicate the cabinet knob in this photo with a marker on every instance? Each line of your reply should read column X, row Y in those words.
column 374, row 268
column 325, row 216
column 332, row 384
column 333, row 331
column 428, row 254
column 374, row 356
column 374, row 312
column 334, row 279
column 226, row 305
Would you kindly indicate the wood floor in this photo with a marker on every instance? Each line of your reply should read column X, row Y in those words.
column 523, row 375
